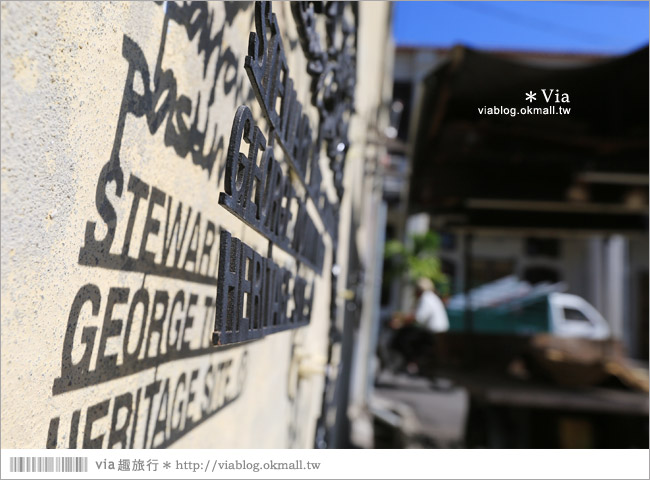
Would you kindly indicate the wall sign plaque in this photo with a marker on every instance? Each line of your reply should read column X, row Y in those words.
column 258, row 188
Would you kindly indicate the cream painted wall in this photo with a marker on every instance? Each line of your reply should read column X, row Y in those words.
column 64, row 71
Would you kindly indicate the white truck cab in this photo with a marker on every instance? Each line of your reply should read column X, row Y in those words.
column 573, row 316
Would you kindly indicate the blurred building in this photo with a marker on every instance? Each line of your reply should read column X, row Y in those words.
column 481, row 153
column 548, row 197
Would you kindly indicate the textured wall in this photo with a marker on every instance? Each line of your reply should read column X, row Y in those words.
column 116, row 352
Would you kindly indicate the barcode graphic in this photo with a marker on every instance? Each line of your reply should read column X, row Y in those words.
column 48, row 464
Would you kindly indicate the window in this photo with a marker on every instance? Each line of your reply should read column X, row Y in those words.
column 574, row 315
column 541, row 274
column 447, row 241
column 484, row 270
column 543, row 247
column 402, row 91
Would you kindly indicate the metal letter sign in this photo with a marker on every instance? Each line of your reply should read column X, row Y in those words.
column 258, row 188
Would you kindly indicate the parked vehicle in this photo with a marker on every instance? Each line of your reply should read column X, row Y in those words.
column 513, row 307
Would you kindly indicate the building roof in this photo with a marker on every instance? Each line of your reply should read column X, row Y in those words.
column 586, row 168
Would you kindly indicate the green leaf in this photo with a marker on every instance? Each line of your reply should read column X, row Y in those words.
column 419, row 259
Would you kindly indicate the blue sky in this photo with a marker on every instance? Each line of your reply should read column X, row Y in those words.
column 572, row 27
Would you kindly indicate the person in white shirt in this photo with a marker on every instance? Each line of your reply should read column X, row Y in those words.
column 430, row 311
column 414, row 330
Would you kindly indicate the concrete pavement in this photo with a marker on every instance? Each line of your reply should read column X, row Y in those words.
column 412, row 412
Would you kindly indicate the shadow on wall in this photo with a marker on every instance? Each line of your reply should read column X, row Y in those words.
column 219, row 380
column 162, row 317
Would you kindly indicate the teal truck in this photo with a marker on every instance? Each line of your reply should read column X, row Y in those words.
column 513, row 307
column 534, row 359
